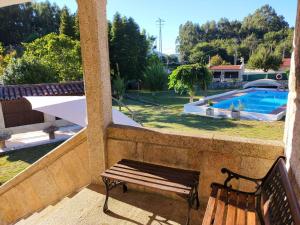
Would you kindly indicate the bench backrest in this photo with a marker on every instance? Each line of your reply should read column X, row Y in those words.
column 278, row 203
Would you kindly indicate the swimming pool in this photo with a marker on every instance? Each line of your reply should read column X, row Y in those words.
column 257, row 104
column 258, row 101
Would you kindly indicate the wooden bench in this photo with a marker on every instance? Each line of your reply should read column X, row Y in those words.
column 182, row 182
column 273, row 203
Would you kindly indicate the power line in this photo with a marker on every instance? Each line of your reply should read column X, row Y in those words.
column 160, row 22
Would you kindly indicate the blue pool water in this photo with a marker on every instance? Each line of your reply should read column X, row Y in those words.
column 258, row 101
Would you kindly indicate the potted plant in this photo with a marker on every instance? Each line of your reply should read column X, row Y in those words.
column 51, row 131
column 210, row 110
column 236, row 112
column 4, row 135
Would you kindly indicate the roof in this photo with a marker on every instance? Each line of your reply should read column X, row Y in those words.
column 226, row 67
column 286, row 63
column 12, row 92
column 4, row 3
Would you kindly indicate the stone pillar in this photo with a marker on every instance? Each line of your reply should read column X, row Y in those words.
column 95, row 57
column 292, row 125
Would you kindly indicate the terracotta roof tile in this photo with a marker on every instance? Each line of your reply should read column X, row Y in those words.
column 286, row 63
column 11, row 92
column 226, row 67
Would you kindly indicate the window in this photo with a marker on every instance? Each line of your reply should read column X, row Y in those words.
column 232, row 75
column 217, row 74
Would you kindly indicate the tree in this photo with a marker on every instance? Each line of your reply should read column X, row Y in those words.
column 251, row 42
column 128, row 48
column 186, row 77
column 59, row 52
column 26, row 22
column 187, row 39
column 216, row 61
column 76, row 27
column 5, row 58
column 264, row 59
column 66, row 26
column 22, row 71
column 155, row 76
column 202, row 51
column 263, row 20
column 46, row 18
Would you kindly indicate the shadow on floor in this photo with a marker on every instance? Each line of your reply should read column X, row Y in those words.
column 161, row 209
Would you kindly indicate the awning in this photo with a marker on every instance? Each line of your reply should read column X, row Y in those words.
column 73, row 109
column 263, row 83
column 4, row 3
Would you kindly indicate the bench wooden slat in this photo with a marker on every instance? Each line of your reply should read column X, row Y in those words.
column 241, row 209
column 251, row 215
column 179, row 178
column 210, row 206
column 231, row 208
column 273, row 202
column 147, row 184
column 147, row 179
column 159, row 169
column 222, row 199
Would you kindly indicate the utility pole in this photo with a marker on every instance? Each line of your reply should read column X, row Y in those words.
column 160, row 22
column 235, row 52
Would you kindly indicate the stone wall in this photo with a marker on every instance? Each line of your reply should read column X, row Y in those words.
column 205, row 153
column 56, row 175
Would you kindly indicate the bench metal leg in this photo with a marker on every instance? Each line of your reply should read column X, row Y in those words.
column 106, row 182
column 197, row 199
column 125, row 188
column 193, row 202
column 110, row 184
column 189, row 200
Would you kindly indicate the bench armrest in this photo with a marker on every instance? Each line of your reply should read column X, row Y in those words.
column 232, row 175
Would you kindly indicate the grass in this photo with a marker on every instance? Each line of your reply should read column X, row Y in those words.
column 168, row 116
column 13, row 163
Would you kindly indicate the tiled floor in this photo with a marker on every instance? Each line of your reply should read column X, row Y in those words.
column 133, row 207
column 35, row 138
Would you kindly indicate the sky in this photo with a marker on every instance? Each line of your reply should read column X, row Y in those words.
column 176, row 12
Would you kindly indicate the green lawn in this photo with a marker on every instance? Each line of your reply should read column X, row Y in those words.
column 15, row 162
column 168, row 116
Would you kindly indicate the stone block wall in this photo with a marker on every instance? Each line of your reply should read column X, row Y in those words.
column 56, row 175
column 205, row 153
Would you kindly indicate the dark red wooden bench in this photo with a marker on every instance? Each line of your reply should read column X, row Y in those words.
column 273, row 203
column 182, row 182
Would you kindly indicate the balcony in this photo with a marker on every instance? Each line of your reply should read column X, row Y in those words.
column 65, row 186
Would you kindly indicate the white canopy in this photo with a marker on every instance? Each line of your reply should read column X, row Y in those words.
column 4, row 3
column 73, row 109
column 262, row 83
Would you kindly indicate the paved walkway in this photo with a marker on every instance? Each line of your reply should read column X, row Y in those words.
column 131, row 208
column 35, row 138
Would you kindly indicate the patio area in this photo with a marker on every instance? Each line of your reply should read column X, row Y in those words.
column 85, row 207
column 65, row 186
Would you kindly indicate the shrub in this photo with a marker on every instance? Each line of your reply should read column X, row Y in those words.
column 59, row 52
column 155, row 77
column 22, row 71
column 119, row 87
column 186, row 77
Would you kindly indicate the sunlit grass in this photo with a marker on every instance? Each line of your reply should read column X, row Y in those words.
column 15, row 162
column 168, row 116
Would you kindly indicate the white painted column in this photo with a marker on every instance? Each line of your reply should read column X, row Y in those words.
column 292, row 125
column 95, row 57
column 2, row 122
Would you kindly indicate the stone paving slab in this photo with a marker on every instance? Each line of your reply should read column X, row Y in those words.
column 133, row 207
